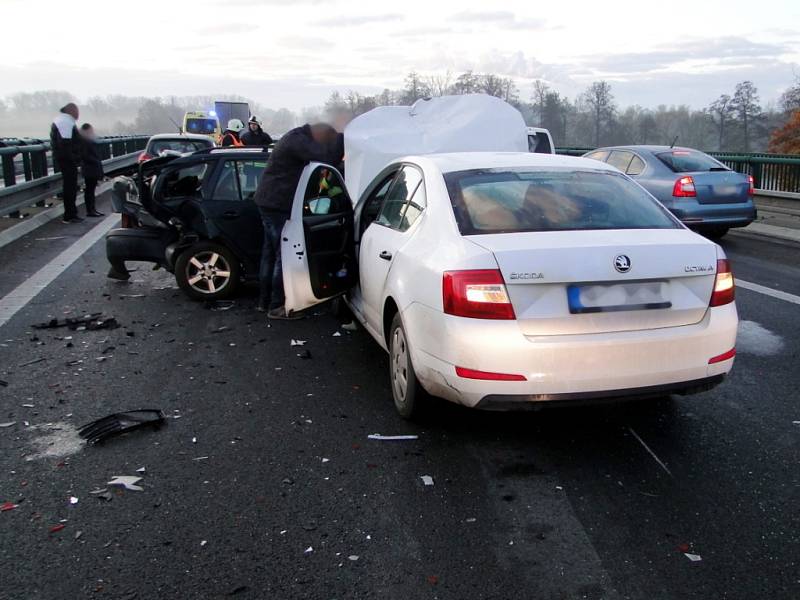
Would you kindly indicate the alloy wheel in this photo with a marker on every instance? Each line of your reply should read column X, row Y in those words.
column 208, row 272
column 399, row 365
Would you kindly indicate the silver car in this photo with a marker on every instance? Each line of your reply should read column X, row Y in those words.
column 698, row 189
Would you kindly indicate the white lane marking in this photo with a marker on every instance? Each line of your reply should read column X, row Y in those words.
column 653, row 454
column 754, row 287
column 29, row 289
column 755, row 339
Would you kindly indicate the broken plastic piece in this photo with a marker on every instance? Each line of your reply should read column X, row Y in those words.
column 351, row 326
column 298, row 342
column 6, row 506
column 102, row 429
column 309, row 550
column 56, row 528
column 73, row 500
column 388, row 438
column 127, row 481
column 353, row 557
column 337, row 334
column 427, row 479
column 693, row 557
column 9, row 424
column 305, row 354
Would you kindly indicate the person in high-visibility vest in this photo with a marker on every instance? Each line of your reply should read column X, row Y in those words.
column 230, row 137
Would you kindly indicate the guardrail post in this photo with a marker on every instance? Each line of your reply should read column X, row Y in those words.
column 9, row 174
column 26, row 166
column 757, row 173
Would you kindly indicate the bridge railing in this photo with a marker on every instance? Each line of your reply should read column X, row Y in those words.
column 771, row 172
column 30, row 176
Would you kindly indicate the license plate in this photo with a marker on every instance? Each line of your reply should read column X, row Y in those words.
column 618, row 296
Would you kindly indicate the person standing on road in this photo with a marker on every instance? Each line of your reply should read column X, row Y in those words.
column 91, row 168
column 255, row 136
column 230, row 136
column 66, row 146
column 274, row 197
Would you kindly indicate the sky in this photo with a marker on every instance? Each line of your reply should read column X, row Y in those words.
column 293, row 53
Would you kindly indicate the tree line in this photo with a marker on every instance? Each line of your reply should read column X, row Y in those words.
column 734, row 122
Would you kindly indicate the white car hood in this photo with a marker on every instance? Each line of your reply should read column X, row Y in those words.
column 466, row 123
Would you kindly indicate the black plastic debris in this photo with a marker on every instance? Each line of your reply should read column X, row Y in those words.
column 90, row 322
column 305, row 354
column 102, row 429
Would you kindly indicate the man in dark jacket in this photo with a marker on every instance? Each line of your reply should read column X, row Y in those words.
column 67, row 148
column 255, row 136
column 275, row 195
column 91, row 168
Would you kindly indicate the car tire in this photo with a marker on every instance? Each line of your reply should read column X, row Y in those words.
column 409, row 397
column 207, row 271
column 717, row 233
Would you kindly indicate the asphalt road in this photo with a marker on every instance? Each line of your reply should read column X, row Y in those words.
column 267, row 456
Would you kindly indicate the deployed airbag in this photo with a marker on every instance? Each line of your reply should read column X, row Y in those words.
column 466, row 123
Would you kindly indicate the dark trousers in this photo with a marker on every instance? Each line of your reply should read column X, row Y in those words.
column 271, row 274
column 69, row 174
column 89, row 187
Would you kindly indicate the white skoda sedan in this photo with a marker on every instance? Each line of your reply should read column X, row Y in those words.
column 496, row 280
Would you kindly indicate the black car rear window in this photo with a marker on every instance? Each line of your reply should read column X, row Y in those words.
column 688, row 161
column 522, row 199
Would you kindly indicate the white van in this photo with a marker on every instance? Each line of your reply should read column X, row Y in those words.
column 540, row 141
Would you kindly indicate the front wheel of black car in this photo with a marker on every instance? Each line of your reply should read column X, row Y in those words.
column 207, row 271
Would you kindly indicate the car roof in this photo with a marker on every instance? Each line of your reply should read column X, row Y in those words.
column 181, row 136
column 647, row 148
column 465, row 161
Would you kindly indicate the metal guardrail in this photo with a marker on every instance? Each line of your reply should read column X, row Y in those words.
column 771, row 172
column 32, row 159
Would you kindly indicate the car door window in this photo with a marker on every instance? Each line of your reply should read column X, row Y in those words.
column 416, row 205
column 185, row 181
column 600, row 155
column 374, row 203
column 393, row 210
column 325, row 193
column 228, row 183
column 636, row 167
column 250, row 172
column 620, row 159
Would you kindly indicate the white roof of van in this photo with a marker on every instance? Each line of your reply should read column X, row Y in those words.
column 464, row 161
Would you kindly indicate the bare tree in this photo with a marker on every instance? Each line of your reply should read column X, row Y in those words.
column 467, row 83
column 721, row 112
column 601, row 105
column 439, row 85
column 746, row 105
column 539, row 98
column 415, row 89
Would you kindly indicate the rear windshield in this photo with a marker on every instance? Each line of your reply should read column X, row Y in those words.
column 539, row 143
column 513, row 200
column 688, row 161
column 182, row 146
column 201, row 126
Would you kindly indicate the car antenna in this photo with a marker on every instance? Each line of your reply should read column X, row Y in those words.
column 672, row 145
column 179, row 128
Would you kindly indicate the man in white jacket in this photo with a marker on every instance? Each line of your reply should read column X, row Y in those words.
column 66, row 145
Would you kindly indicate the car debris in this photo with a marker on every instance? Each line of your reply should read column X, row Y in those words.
column 8, row 424
column 353, row 557
column 32, row 362
column 90, row 322
column 73, row 500
column 219, row 305
column 123, row 296
column 351, row 326
column 103, row 494
column 3, row 383
column 298, row 343
column 141, row 470
column 6, row 506
column 309, row 550
column 127, row 481
column 693, row 557
column 427, row 479
column 305, row 355
column 337, row 334
column 57, row 528
column 117, row 423
column 390, row 438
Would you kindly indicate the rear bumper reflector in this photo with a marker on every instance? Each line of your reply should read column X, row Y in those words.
column 726, row 356
column 484, row 375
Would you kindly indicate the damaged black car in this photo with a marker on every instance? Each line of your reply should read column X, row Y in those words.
column 194, row 216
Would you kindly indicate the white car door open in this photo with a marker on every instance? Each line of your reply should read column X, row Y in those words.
column 317, row 248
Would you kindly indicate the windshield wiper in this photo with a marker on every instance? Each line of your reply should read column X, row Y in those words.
column 719, row 169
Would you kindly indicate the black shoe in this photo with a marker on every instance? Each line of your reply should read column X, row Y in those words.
column 95, row 213
column 280, row 314
column 72, row 220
